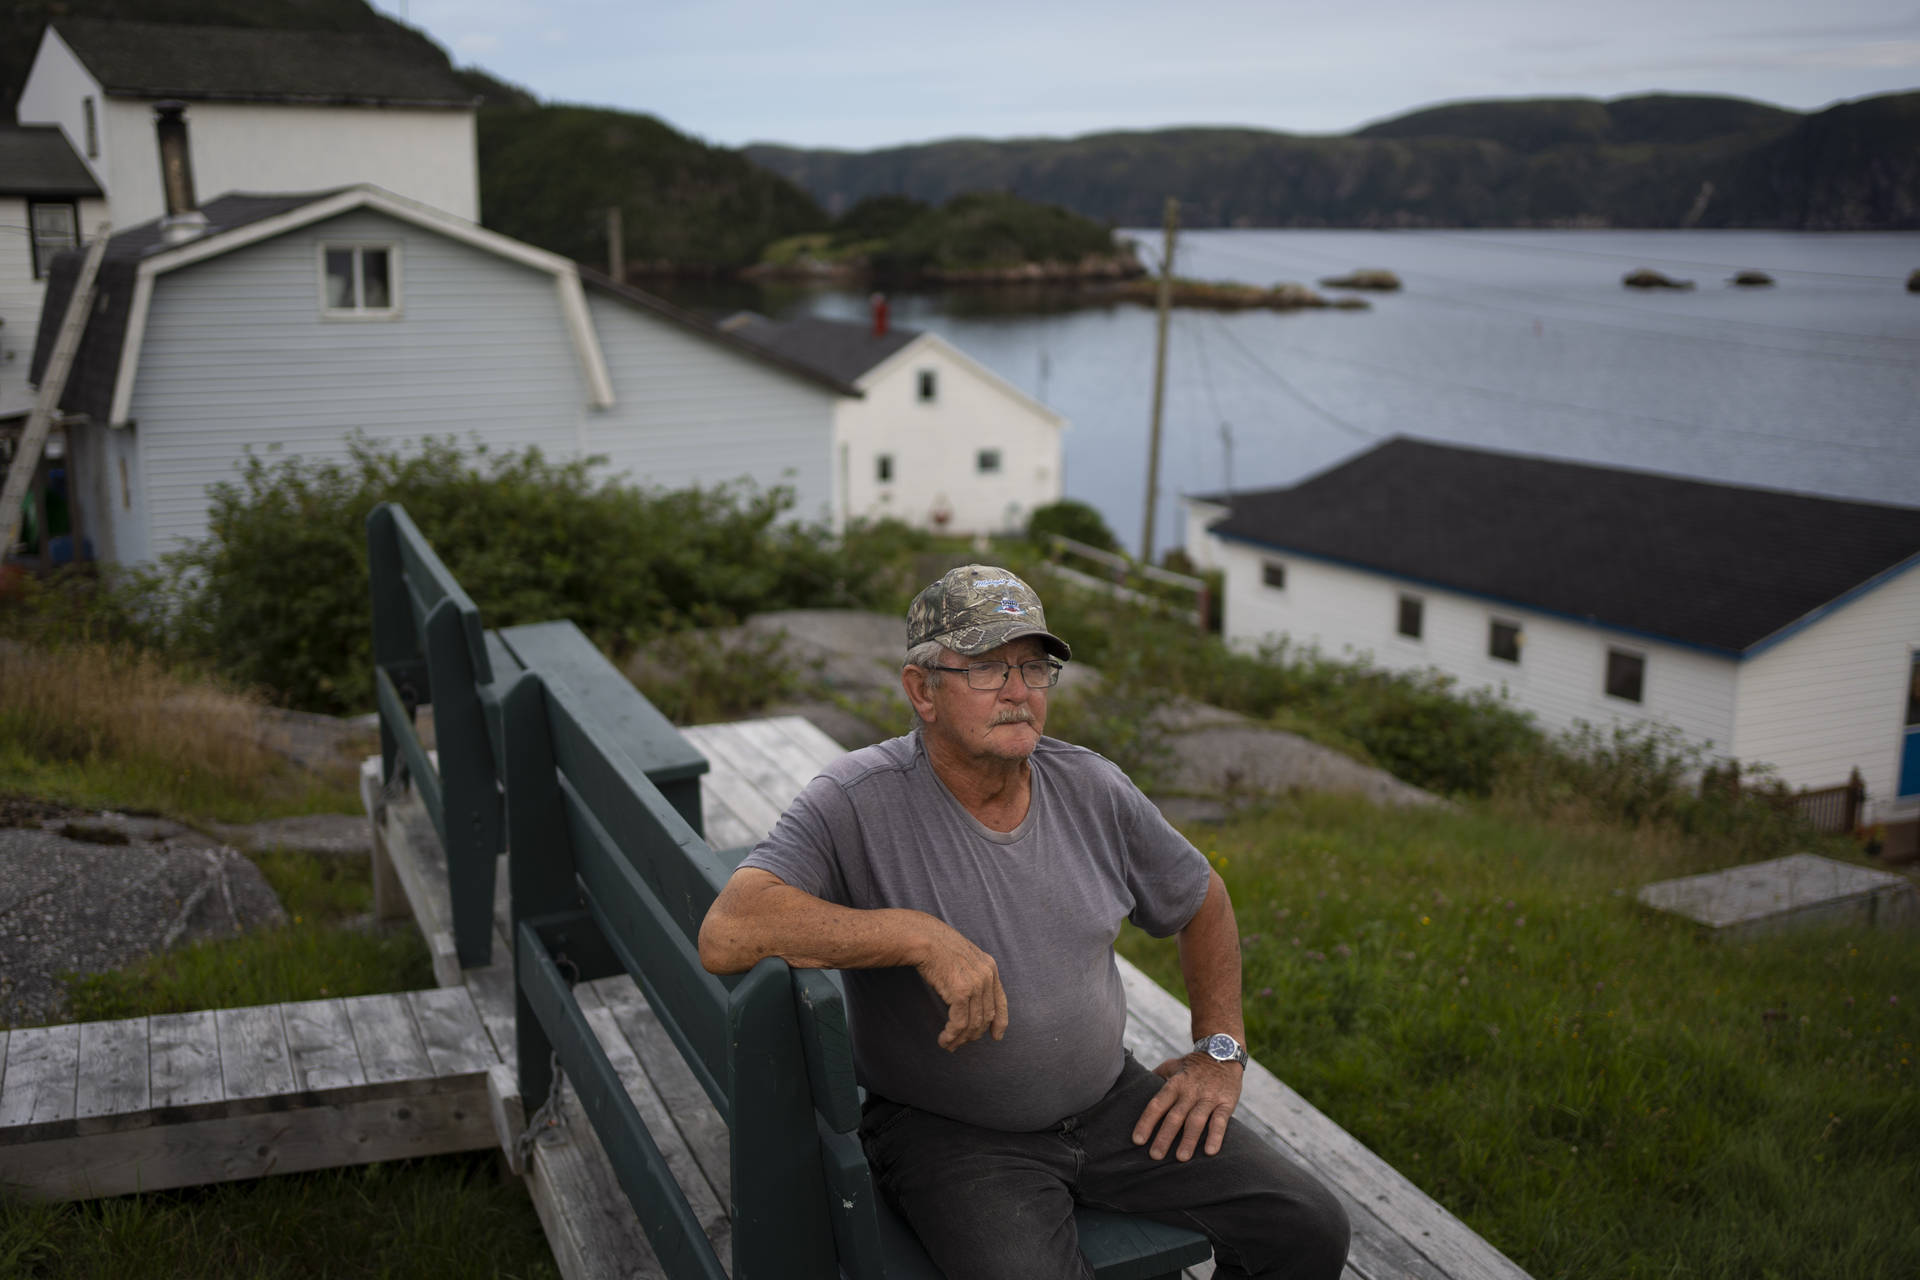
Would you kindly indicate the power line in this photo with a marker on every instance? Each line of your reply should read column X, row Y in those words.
column 1286, row 385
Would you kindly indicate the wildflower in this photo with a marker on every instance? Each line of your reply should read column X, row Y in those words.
column 1425, row 920
column 1266, row 991
column 1343, row 951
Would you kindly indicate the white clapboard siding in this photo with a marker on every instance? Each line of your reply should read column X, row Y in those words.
column 689, row 411
column 1561, row 675
column 237, row 356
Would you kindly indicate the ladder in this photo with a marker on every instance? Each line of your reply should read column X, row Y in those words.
column 53, row 383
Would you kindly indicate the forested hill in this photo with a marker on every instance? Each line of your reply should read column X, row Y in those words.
column 547, row 173
column 1652, row 161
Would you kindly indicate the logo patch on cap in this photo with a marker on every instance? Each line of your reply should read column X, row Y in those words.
column 1008, row 606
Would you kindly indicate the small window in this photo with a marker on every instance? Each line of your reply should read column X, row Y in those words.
column 1626, row 674
column 929, row 386
column 358, row 280
column 55, row 226
column 1413, row 612
column 987, row 461
column 1504, row 640
column 92, row 128
column 1274, row 574
column 883, row 467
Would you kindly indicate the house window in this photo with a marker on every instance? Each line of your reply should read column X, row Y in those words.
column 1413, row 612
column 1626, row 674
column 1504, row 640
column 359, row 280
column 929, row 386
column 987, row 461
column 1274, row 574
column 55, row 226
column 883, row 468
column 92, row 128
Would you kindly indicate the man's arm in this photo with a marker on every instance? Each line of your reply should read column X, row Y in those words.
column 1200, row 1093
column 758, row 915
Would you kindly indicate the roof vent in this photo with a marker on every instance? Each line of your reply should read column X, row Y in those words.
column 183, row 219
column 878, row 304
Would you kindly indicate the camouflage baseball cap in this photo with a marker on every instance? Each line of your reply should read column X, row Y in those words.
column 978, row 607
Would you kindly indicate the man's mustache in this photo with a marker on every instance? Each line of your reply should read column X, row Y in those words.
column 1011, row 715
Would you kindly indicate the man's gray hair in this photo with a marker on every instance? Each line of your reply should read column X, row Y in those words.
column 929, row 655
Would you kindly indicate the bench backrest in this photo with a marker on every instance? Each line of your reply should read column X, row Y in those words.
column 429, row 649
column 606, row 875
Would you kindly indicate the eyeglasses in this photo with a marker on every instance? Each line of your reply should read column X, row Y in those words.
column 1041, row 673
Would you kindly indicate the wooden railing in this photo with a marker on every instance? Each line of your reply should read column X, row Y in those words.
column 1130, row 580
column 1835, row 810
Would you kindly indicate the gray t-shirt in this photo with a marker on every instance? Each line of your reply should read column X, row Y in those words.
column 1045, row 900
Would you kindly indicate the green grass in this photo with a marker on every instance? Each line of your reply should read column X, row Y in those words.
column 438, row 1219
column 323, row 951
column 1592, row 1087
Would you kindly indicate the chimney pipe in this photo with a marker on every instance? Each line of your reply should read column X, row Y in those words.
column 878, row 304
column 183, row 218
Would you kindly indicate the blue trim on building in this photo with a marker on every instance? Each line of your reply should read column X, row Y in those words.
column 1839, row 602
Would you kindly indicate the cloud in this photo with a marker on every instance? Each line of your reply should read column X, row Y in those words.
column 476, row 43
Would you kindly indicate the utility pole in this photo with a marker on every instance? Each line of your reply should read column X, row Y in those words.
column 616, row 246
column 1159, row 378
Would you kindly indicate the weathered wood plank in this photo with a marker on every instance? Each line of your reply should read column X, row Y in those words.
column 591, row 1227
column 42, row 1074
column 706, row 1206
column 253, row 1052
column 388, row 1042
column 457, row 1042
column 700, row 1125
column 813, row 741
column 492, row 992
column 791, row 768
column 415, row 1119
column 732, row 782
column 1338, row 1157
column 113, row 1079
column 725, row 829
column 183, row 1054
column 320, row 1045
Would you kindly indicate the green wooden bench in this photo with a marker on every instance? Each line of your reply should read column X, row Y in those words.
column 608, row 876
column 429, row 649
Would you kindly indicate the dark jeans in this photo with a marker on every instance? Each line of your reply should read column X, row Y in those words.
column 989, row 1204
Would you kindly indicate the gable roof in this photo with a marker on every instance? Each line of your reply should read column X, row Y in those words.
column 1717, row 566
column 100, row 383
column 843, row 350
column 722, row 334
column 37, row 161
column 246, row 64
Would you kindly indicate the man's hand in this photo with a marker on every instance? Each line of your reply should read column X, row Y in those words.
column 1199, row 1097
column 969, row 981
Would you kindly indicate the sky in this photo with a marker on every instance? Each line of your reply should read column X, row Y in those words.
column 867, row 73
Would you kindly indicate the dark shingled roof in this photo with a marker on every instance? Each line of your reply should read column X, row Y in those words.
column 725, row 335
column 1713, row 565
column 842, row 349
column 90, row 384
column 37, row 161
column 158, row 60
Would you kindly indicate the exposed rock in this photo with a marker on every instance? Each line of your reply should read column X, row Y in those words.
column 1751, row 278
column 1648, row 278
column 1365, row 278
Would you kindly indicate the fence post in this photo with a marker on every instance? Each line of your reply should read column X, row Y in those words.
column 1856, row 799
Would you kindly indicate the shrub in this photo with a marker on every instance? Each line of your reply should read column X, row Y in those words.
column 276, row 596
column 1070, row 519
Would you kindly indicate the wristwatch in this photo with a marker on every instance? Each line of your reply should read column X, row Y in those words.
column 1222, row 1047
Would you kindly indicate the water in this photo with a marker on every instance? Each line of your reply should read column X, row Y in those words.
column 1519, row 340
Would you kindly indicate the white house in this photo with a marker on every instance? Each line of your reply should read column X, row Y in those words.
column 47, row 199
column 286, row 323
column 935, row 439
column 272, row 110
column 1778, row 627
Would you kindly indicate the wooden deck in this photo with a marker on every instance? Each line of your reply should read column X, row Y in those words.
column 241, row 1093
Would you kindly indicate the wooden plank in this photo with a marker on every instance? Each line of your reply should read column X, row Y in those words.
column 320, row 1045
column 698, row 1123
column 725, row 829
column 42, row 1074
column 388, row 1042
column 821, row 749
column 1337, row 1156
column 706, row 1206
column 183, row 1054
column 760, row 771
column 113, row 1078
column 731, row 781
column 457, row 1042
column 418, row 1118
column 794, row 768
column 591, row 1227
column 253, row 1052
column 492, row 992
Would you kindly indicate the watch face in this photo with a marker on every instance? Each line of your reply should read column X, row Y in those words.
column 1222, row 1046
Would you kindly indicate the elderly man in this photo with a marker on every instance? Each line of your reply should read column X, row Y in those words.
column 970, row 878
